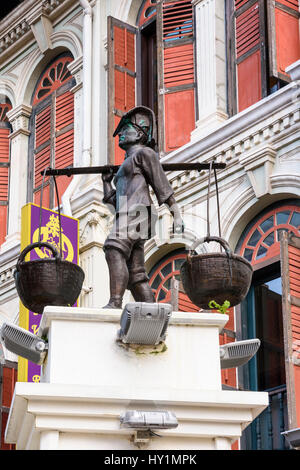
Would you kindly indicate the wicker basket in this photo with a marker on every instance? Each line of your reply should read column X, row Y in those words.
column 47, row 281
column 50, row 281
column 215, row 276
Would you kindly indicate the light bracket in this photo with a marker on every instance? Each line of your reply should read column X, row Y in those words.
column 144, row 323
column 238, row 353
column 23, row 343
column 145, row 420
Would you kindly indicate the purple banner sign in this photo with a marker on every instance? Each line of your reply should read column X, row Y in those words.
column 50, row 232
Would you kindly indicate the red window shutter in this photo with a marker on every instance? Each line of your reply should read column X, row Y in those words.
column 42, row 152
column 250, row 52
column 9, row 378
column 64, row 140
column 294, row 291
column 52, row 143
column 185, row 305
column 290, row 274
column 177, row 76
column 121, row 80
column 4, row 169
column 284, row 39
column 4, row 419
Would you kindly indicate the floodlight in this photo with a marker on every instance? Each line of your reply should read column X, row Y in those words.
column 23, row 343
column 238, row 353
column 144, row 323
column 293, row 437
column 148, row 420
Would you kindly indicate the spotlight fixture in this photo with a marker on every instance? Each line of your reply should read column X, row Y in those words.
column 238, row 353
column 293, row 437
column 142, row 420
column 144, row 323
column 23, row 343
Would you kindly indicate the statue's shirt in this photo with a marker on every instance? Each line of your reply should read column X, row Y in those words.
column 140, row 169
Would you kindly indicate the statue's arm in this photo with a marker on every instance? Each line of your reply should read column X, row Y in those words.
column 157, row 179
column 109, row 193
column 178, row 225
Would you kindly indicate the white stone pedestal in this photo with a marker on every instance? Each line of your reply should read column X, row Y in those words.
column 89, row 379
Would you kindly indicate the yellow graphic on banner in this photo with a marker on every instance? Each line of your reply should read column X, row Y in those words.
column 35, row 329
column 23, row 314
column 48, row 233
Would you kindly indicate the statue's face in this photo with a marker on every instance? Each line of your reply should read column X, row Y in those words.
column 128, row 135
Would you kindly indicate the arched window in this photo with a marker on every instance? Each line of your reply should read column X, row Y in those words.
column 261, row 315
column 261, row 238
column 152, row 64
column 5, row 129
column 161, row 276
column 147, row 11
column 52, row 128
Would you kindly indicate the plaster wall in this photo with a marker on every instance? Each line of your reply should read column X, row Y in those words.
column 260, row 145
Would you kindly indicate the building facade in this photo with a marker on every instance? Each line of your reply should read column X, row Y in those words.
column 222, row 77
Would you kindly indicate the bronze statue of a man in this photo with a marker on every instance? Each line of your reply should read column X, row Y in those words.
column 134, row 214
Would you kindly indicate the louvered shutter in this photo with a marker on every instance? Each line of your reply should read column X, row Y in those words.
column 64, row 136
column 121, row 44
column 290, row 274
column 176, row 77
column 284, row 40
column 249, row 51
column 4, row 169
column 51, row 142
column 42, row 150
column 9, row 377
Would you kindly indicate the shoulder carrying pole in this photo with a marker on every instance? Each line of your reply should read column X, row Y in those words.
column 114, row 168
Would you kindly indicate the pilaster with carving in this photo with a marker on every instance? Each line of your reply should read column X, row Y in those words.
column 211, row 65
column 19, row 119
column 76, row 69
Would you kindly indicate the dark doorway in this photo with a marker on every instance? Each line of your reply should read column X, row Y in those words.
column 261, row 315
column 148, row 57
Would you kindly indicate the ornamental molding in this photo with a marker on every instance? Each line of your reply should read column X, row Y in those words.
column 19, row 119
column 265, row 120
column 8, row 261
column 20, row 24
column 259, row 167
column 93, row 232
column 255, row 134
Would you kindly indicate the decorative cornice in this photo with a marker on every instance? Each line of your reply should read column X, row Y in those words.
column 262, row 121
column 19, row 118
column 76, row 69
column 18, row 24
column 13, row 35
column 259, row 167
column 294, row 70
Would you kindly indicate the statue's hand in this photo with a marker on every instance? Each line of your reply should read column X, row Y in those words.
column 107, row 177
column 178, row 225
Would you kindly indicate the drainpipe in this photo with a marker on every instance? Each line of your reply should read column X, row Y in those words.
column 87, row 82
column 87, row 103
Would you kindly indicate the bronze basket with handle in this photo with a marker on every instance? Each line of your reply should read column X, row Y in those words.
column 47, row 281
column 217, row 276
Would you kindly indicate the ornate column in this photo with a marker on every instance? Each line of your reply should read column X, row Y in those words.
column 76, row 69
column 19, row 118
column 210, row 65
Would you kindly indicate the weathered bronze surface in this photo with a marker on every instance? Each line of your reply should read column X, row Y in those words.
column 49, row 281
column 215, row 276
column 134, row 210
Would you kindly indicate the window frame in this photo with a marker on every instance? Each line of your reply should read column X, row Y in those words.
column 38, row 107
